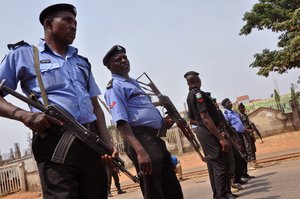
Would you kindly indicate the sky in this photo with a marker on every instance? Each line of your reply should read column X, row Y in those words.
column 165, row 39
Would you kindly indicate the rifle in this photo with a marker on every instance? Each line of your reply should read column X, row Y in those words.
column 253, row 126
column 73, row 128
column 234, row 139
column 173, row 113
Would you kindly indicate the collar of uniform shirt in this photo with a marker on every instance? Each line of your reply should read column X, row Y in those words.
column 122, row 78
column 43, row 47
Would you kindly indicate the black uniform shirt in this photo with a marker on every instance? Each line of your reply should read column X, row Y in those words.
column 198, row 102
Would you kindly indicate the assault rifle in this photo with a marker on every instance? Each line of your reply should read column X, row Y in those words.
column 256, row 131
column 173, row 113
column 72, row 128
column 232, row 136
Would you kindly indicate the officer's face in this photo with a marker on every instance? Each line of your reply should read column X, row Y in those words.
column 193, row 81
column 228, row 105
column 242, row 109
column 120, row 65
column 62, row 26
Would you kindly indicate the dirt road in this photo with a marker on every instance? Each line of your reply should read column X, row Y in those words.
column 280, row 145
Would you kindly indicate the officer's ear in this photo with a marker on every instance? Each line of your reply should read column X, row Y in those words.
column 48, row 23
column 109, row 64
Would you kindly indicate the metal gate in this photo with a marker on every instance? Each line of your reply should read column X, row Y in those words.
column 9, row 179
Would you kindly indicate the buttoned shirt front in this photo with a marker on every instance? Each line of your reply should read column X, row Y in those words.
column 234, row 120
column 64, row 79
column 128, row 102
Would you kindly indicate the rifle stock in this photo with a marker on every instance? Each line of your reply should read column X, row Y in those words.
column 174, row 114
column 75, row 128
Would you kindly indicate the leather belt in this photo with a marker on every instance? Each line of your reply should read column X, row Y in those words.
column 145, row 130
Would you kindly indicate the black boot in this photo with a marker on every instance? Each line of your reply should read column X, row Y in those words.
column 109, row 194
column 120, row 191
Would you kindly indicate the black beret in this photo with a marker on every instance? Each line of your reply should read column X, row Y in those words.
column 214, row 100
column 55, row 8
column 190, row 73
column 241, row 105
column 225, row 101
column 116, row 49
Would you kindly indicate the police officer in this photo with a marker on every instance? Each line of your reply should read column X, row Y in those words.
column 113, row 173
column 203, row 113
column 249, row 137
column 68, row 83
column 139, row 122
column 234, row 120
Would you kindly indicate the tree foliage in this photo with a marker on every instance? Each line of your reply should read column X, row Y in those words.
column 281, row 16
column 277, row 99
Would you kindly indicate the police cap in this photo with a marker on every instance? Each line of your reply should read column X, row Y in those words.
column 116, row 49
column 214, row 100
column 190, row 73
column 241, row 105
column 56, row 8
column 225, row 101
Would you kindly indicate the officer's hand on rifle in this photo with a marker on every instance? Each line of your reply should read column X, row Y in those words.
column 38, row 121
column 107, row 159
column 168, row 122
column 224, row 143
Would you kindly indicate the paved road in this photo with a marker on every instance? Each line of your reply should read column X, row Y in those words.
column 276, row 180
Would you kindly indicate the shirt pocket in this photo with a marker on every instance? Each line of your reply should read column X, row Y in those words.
column 52, row 76
column 82, row 75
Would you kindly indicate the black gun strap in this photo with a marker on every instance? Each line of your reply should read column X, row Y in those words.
column 62, row 148
column 38, row 74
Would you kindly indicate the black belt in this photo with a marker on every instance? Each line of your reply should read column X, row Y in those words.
column 145, row 130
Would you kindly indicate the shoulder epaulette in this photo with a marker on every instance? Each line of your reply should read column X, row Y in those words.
column 87, row 61
column 86, row 76
column 110, row 84
column 17, row 45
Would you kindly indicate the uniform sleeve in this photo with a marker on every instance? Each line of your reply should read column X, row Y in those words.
column 117, row 104
column 200, row 102
column 8, row 72
column 94, row 89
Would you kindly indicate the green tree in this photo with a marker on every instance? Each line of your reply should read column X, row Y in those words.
column 281, row 16
column 277, row 100
column 294, row 95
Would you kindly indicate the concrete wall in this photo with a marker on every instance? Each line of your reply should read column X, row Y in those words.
column 33, row 181
column 270, row 121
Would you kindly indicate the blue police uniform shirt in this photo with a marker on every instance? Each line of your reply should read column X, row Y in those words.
column 63, row 78
column 234, row 119
column 128, row 102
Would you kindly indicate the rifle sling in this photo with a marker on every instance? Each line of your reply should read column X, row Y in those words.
column 67, row 138
column 38, row 75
